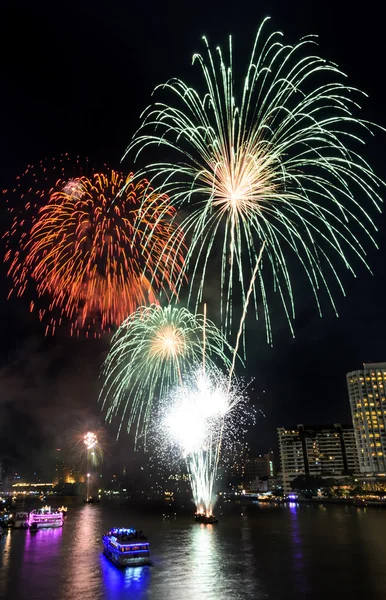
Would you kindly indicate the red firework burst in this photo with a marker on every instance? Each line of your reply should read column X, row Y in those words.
column 82, row 242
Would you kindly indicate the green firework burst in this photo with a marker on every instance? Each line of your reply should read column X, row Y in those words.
column 276, row 160
column 151, row 352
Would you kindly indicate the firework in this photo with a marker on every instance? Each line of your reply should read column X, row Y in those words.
column 90, row 440
column 86, row 447
column 151, row 352
column 93, row 451
column 201, row 417
column 86, row 253
column 276, row 162
column 92, row 448
column 24, row 201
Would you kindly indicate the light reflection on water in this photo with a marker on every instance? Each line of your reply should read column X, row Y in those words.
column 297, row 555
column 279, row 553
column 6, row 553
column 208, row 562
column 128, row 583
column 36, row 558
column 82, row 572
column 204, row 560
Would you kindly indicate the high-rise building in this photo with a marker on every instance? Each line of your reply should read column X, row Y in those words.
column 64, row 472
column 258, row 467
column 236, row 461
column 59, row 466
column 367, row 394
column 318, row 450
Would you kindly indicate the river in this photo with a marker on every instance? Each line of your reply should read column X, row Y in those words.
column 256, row 552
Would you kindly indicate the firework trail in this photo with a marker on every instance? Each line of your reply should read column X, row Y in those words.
column 277, row 160
column 89, row 258
column 151, row 352
column 201, row 417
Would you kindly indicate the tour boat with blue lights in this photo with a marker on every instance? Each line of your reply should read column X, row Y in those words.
column 45, row 517
column 126, row 547
column 206, row 519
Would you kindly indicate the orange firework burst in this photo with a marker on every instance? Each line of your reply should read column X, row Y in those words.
column 85, row 250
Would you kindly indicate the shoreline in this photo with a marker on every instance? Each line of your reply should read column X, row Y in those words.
column 344, row 501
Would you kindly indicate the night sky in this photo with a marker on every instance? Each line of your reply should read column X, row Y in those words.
column 75, row 78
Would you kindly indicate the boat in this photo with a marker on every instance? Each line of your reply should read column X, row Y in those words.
column 126, row 547
column 92, row 500
column 207, row 519
column 45, row 517
column 21, row 520
column 11, row 520
column 6, row 519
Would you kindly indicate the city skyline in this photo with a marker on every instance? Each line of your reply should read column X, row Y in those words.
column 47, row 383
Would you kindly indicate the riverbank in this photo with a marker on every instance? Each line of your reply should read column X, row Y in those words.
column 346, row 501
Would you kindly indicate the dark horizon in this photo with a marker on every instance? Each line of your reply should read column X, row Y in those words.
column 76, row 80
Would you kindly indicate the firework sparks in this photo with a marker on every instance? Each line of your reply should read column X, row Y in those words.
column 86, row 446
column 278, row 164
column 85, row 250
column 150, row 353
column 201, row 416
column 93, row 457
column 90, row 440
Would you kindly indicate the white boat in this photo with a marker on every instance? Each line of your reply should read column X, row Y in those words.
column 126, row 547
column 45, row 517
column 21, row 520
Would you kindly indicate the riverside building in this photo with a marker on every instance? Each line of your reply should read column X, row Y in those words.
column 366, row 390
column 320, row 450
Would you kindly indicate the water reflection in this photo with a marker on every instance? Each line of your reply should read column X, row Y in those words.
column 297, row 552
column 40, row 559
column 187, row 563
column 81, row 578
column 41, row 545
column 5, row 542
column 124, row 583
column 212, row 562
column 204, row 560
